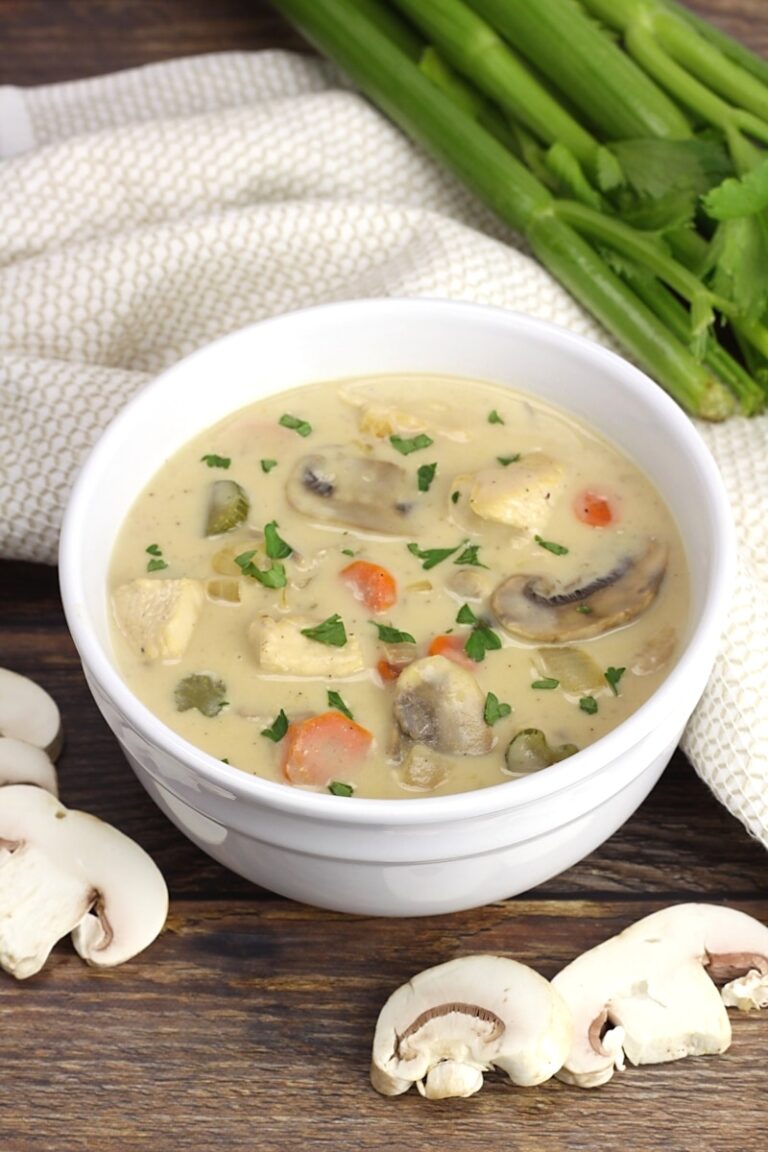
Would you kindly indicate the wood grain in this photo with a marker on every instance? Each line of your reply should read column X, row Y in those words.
column 248, row 1024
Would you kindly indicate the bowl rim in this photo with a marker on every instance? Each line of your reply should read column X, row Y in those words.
column 427, row 810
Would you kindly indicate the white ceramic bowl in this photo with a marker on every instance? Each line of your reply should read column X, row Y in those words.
column 416, row 856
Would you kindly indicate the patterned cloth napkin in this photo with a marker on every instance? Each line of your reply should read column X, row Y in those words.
column 145, row 213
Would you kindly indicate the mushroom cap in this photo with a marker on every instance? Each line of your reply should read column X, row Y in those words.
column 451, row 1023
column 440, row 704
column 655, row 982
column 532, row 608
column 65, row 871
column 23, row 763
column 339, row 485
column 27, row 712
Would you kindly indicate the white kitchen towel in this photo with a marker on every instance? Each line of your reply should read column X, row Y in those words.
column 145, row 213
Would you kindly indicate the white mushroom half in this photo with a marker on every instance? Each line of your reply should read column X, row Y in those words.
column 439, row 703
column 65, row 871
column 28, row 713
column 22, row 763
column 450, row 1024
column 649, row 993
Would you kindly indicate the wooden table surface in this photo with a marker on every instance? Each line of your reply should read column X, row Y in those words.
column 248, row 1024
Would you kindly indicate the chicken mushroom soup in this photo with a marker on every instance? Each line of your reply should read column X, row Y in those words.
column 397, row 587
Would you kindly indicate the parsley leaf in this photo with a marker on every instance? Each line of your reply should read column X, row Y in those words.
column 494, row 709
column 507, row 460
column 339, row 788
column 465, row 615
column 389, row 635
column 154, row 550
column 405, row 446
column 481, row 639
column 585, row 609
column 156, row 565
column 469, row 556
column 455, row 497
column 613, row 676
column 330, row 632
column 214, row 461
column 432, row 556
column 557, row 549
column 546, row 684
column 278, row 728
column 272, row 577
column 348, row 552
column 277, row 548
column 494, row 418
column 205, row 693
column 302, row 427
column 425, row 476
column 335, row 701
column 268, row 465
column 588, row 704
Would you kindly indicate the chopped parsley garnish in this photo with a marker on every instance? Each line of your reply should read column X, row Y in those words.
column 156, row 564
column 339, row 788
column 507, row 460
column 613, row 676
column 588, row 704
column 268, row 465
column 330, row 632
column 494, row 418
column 551, row 546
column 348, row 552
column 425, row 476
column 335, row 701
column 455, row 497
column 585, row 609
column 302, row 427
column 214, row 461
column 278, row 728
column 465, row 615
column 469, row 556
column 432, row 556
column 405, row 446
column 546, row 684
column 494, row 709
column 481, row 639
column 389, row 635
column 272, row 577
column 200, row 691
column 277, row 548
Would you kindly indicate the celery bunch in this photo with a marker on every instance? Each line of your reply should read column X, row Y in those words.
column 623, row 138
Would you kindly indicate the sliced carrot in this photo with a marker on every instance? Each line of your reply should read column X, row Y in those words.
column 389, row 671
column 452, row 647
column 371, row 583
column 325, row 747
column 593, row 509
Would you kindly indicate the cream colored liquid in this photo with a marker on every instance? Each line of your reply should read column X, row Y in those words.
column 171, row 513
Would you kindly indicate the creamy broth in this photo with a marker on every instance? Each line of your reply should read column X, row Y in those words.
column 495, row 534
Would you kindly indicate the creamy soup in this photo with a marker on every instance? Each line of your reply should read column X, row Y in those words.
column 397, row 587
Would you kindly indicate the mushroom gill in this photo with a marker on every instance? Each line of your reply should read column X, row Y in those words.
column 339, row 485
column 533, row 608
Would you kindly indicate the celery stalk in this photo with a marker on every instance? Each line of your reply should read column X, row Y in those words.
column 732, row 50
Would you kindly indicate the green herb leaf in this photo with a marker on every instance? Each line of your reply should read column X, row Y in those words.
column 743, row 196
column 389, row 635
column 330, row 632
column 302, row 427
column 585, row 609
column 613, row 676
column 588, row 704
column 339, row 788
column 335, row 701
column 277, row 729
column 426, row 475
column 494, row 418
column 455, row 497
column 469, row 556
column 481, row 639
column 465, row 615
column 156, row 565
column 214, row 461
column 494, row 709
column 277, row 548
column 557, row 549
column 432, row 556
column 546, row 684
column 268, row 465
column 200, row 691
column 272, row 577
column 154, row 550
column 507, row 460
column 405, row 446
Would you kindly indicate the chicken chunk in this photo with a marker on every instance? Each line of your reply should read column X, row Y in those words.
column 281, row 648
column 519, row 495
column 158, row 617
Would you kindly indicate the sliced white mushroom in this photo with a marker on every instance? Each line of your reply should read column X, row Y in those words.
column 440, row 704
column 534, row 608
column 450, row 1024
column 65, row 871
column 28, row 713
column 348, row 488
column 282, row 648
column 158, row 617
column 649, row 993
column 22, row 763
